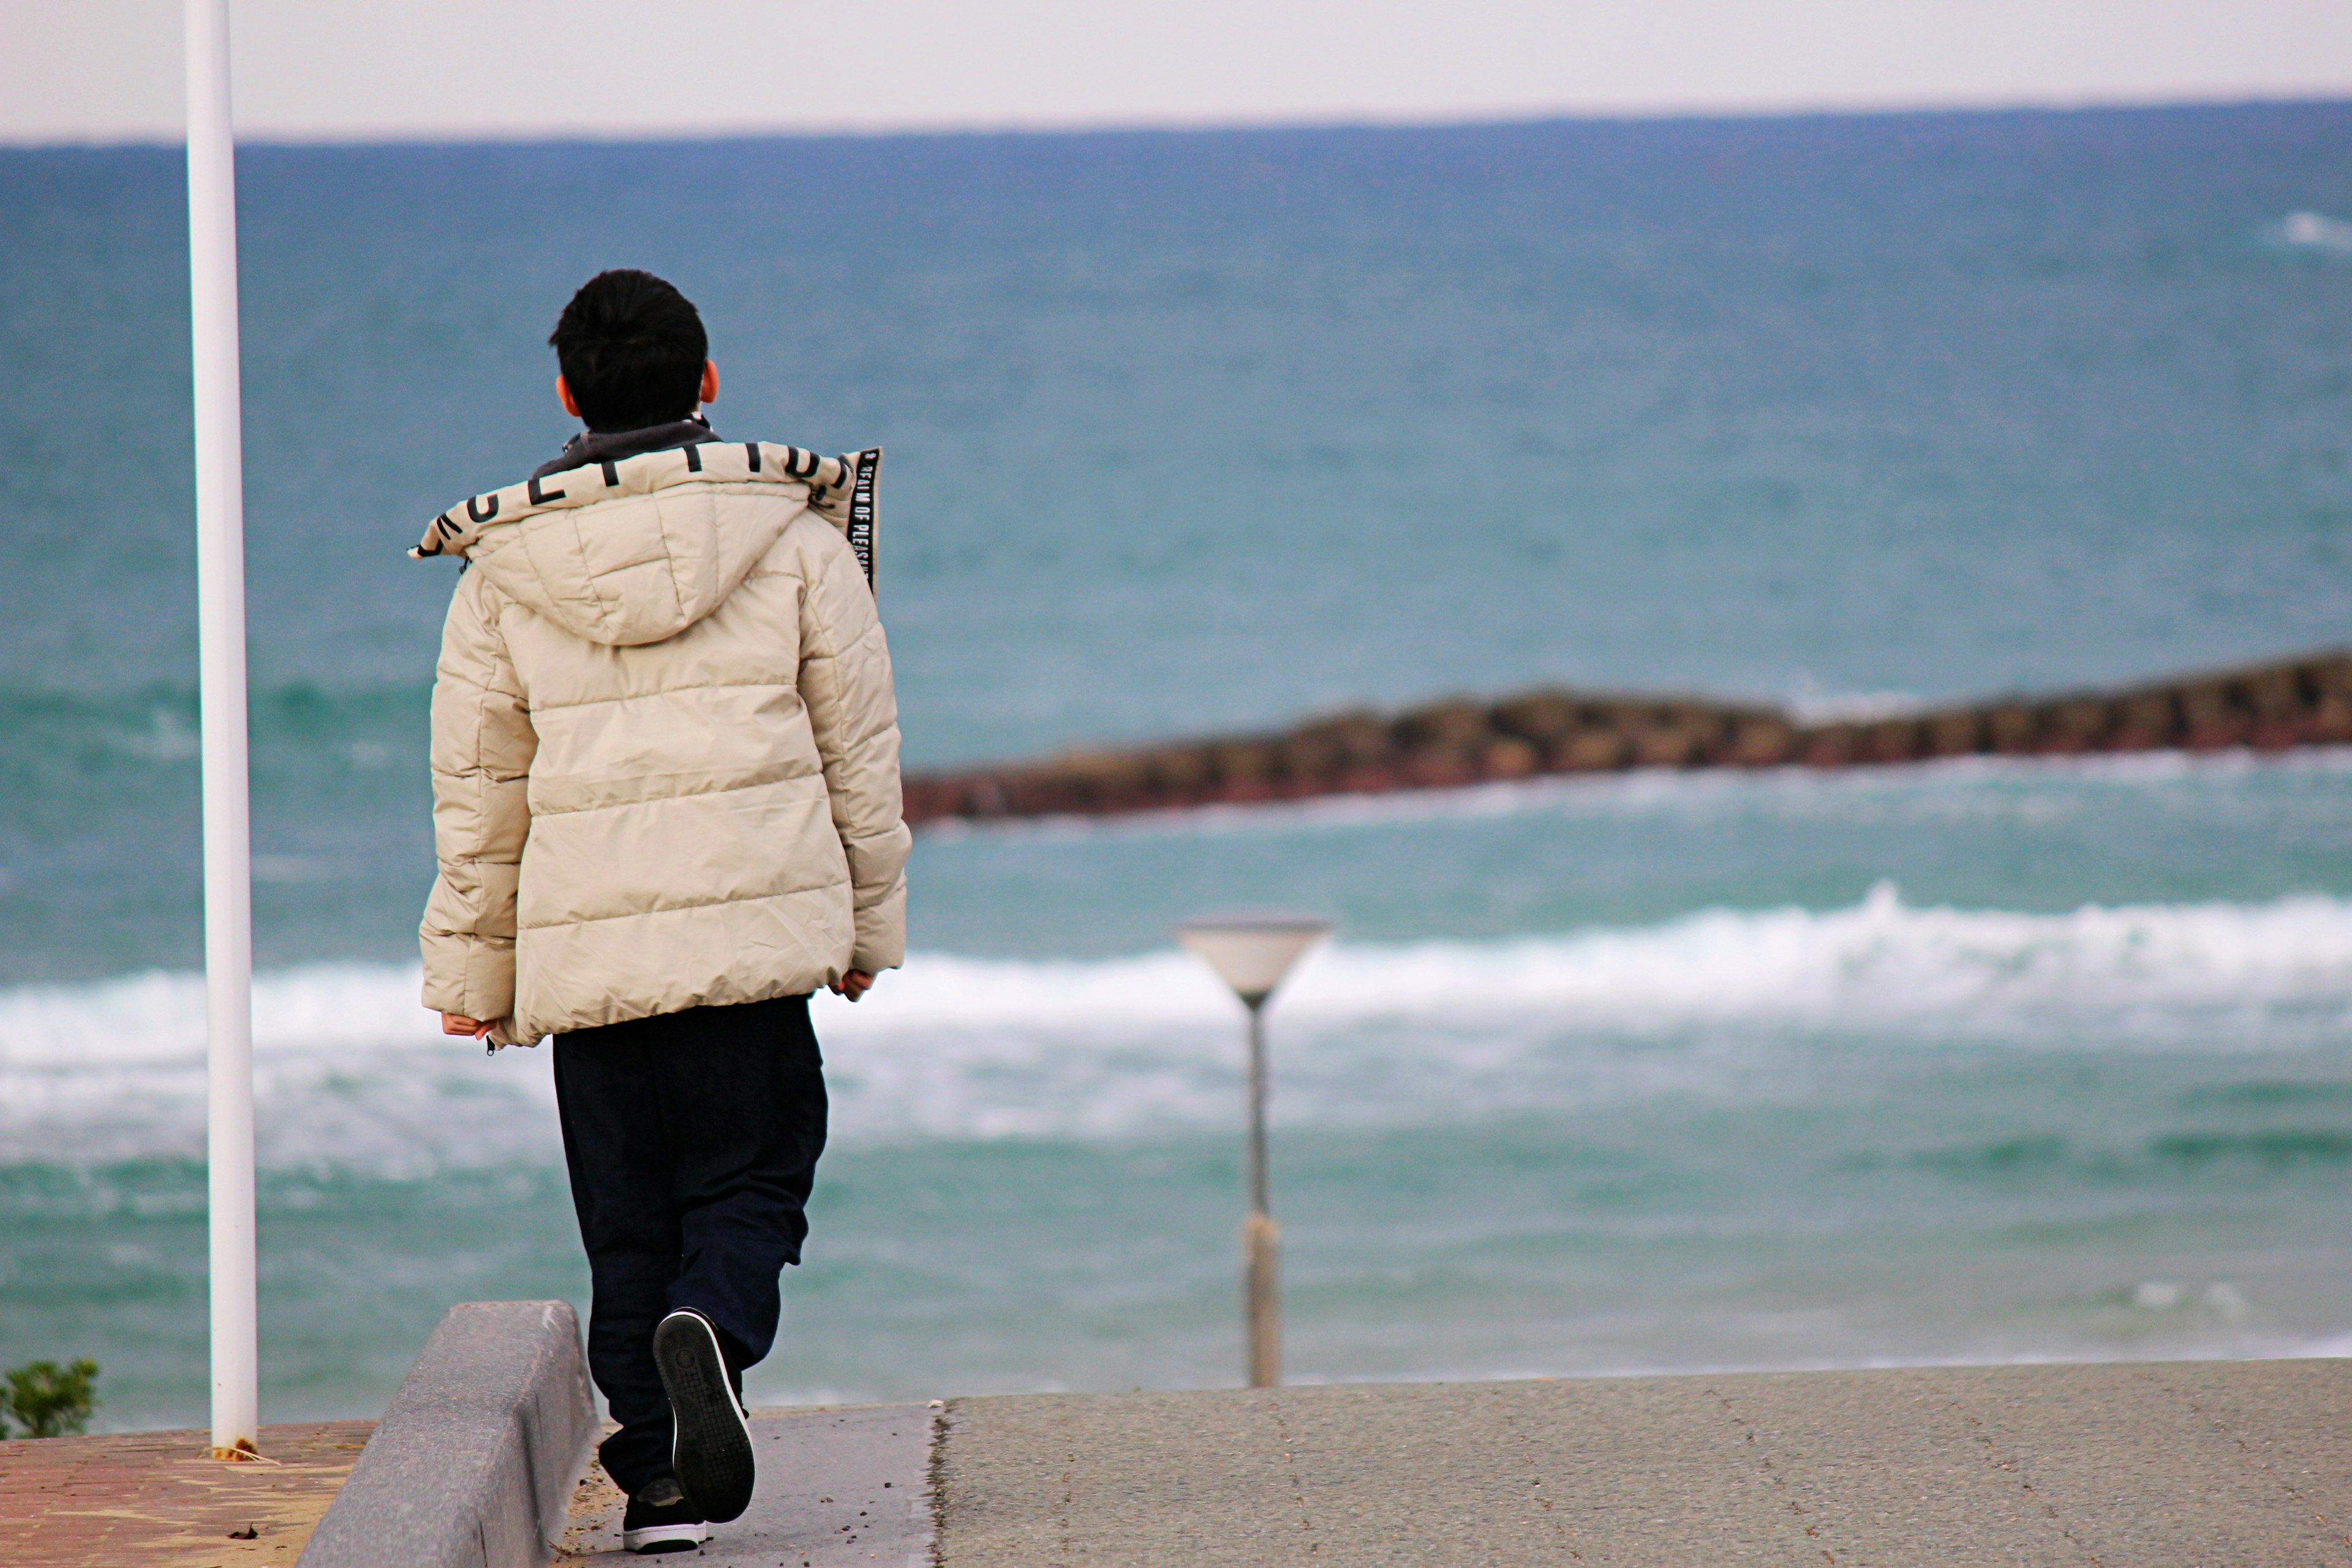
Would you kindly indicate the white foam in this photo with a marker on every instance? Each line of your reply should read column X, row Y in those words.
column 347, row 1068
column 2314, row 231
column 1809, row 702
column 351, row 1072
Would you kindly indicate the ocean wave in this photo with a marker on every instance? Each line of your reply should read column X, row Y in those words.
column 1719, row 1004
column 1876, row 965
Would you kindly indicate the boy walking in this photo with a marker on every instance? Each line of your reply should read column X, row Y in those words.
column 666, row 809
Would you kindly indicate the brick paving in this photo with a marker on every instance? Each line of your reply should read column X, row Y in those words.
column 151, row 1499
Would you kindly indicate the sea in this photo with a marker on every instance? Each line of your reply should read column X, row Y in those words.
column 1189, row 432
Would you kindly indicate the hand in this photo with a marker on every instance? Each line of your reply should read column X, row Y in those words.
column 458, row 1024
column 854, row 985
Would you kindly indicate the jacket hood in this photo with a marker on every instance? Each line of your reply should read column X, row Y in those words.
column 602, row 445
column 635, row 549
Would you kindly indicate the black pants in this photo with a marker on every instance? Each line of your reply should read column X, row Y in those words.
column 691, row 1139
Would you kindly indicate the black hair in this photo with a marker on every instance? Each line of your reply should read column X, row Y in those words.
column 631, row 348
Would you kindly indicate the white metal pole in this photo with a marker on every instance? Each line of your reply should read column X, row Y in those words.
column 220, row 624
column 1260, row 1238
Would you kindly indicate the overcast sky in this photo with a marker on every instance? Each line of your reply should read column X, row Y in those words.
column 108, row 69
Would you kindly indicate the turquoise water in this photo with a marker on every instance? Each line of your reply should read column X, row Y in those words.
column 1190, row 430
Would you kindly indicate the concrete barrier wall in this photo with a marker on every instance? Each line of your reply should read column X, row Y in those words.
column 474, row 1463
column 2296, row 702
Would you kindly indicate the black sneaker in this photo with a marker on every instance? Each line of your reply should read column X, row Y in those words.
column 712, row 1449
column 661, row 1519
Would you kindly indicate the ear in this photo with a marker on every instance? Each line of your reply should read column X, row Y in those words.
column 563, row 394
column 709, row 393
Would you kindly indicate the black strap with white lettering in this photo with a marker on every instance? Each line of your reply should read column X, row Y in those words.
column 861, row 510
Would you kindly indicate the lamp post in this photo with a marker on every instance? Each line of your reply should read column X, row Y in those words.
column 1252, row 954
column 220, row 628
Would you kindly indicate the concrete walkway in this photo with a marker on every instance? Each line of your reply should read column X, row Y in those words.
column 2169, row 1465
column 838, row 1488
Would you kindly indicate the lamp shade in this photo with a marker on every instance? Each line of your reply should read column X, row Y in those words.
column 1251, row 953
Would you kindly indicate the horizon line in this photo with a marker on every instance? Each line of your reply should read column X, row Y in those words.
column 491, row 135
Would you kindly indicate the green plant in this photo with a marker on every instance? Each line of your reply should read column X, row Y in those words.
column 47, row 1400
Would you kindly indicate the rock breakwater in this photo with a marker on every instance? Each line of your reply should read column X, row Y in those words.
column 1462, row 740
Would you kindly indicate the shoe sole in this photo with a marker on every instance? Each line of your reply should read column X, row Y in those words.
column 665, row 1538
column 711, row 1450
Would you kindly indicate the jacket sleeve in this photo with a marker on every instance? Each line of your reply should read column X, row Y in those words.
column 845, row 678
column 483, row 744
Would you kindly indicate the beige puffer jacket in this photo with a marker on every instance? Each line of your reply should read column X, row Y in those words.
column 665, row 746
